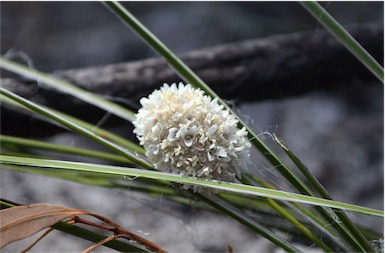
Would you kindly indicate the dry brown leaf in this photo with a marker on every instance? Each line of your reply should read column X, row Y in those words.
column 19, row 222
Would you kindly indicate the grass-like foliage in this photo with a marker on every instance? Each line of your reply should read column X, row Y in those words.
column 309, row 209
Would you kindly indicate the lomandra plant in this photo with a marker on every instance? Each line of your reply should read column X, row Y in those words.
column 193, row 150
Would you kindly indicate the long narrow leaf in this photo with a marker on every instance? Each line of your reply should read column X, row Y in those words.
column 74, row 127
column 67, row 88
column 323, row 192
column 347, row 40
column 281, row 209
column 233, row 187
column 308, row 214
column 40, row 145
column 151, row 189
column 5, row 101
column 282, row 243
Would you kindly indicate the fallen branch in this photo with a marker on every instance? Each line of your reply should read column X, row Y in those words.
column 264, row 68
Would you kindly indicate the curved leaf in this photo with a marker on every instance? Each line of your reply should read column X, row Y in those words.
column 19, row 222
column 233, row 187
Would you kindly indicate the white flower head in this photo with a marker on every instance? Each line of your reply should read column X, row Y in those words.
column 186, row 132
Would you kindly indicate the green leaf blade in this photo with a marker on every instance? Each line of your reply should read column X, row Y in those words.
column 232, row 187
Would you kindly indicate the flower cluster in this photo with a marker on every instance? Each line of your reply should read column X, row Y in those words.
column 185, row 132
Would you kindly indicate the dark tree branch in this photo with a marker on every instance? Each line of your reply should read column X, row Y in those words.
column 266, row 68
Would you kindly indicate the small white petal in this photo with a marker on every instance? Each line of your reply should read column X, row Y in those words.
column 144, row 101
column 176, row 116
column 221, row 152
column 203, row 171
column 172, row 134
column 166, row 157
column 188, row 141
column 212, row 129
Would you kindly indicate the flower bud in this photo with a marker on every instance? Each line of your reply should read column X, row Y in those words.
column 186, row 132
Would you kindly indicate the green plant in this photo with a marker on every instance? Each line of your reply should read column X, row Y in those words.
column 236, row 200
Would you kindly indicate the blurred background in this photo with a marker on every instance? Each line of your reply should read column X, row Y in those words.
column 338, row 134
column 63, row 35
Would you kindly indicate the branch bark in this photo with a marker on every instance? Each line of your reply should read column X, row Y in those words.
column 264, row 68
